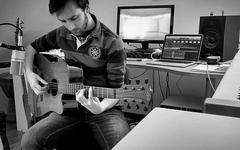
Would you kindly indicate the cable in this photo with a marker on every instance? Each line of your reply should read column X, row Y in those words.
column 160, row 46
column 179, row 89
column 11, row 47
column 210, row 79
column 20, row 48
column 153, row 77
column 150, row 105
column 167, row 87
column 1, row 24
column 160, row 86
column 145, row 70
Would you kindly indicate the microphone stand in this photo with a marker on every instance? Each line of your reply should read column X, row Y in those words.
column 23, row 115
column 20, row 85
column 18, row 32
column 18, row 56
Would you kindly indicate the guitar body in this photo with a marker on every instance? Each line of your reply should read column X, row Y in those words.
column 52, row 69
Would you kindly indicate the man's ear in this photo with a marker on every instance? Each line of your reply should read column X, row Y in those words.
column 87, row 9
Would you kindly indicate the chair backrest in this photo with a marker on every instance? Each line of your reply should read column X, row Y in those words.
column 4, row 145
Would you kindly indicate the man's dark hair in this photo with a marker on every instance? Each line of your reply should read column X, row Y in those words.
column 56, row 5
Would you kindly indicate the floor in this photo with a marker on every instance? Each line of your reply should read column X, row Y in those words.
column 14, row 136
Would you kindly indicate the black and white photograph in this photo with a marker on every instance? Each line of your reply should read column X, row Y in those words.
column 119, row 75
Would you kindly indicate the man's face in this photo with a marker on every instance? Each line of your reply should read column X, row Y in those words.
column 73, row 18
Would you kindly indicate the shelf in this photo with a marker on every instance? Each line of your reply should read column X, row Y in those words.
column 188, row 103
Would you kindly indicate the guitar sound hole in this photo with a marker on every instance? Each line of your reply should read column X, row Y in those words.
column 53, row 87
column 51, row 58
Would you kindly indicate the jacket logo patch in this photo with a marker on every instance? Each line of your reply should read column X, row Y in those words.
column 94, row 52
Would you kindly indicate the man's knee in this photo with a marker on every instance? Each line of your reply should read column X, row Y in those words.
column 29, row 140
column 25, row 142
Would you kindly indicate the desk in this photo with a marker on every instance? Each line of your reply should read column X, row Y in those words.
column 178, row 71
column 168, row 129
column 187, row 71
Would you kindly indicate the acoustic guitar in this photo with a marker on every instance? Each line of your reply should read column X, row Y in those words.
column 55, row 71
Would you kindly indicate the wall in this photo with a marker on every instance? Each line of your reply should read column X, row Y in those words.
column 34, row 13
column 38, row 21
column 187, row 12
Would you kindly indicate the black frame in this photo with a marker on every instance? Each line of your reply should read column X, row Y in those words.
column 145, row 42
column 193, row 35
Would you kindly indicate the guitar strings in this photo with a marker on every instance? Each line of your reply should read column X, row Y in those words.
column 106, row 93
column 54, row 85
column 62, row 91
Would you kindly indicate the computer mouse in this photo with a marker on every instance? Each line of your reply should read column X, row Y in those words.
column 213, row 60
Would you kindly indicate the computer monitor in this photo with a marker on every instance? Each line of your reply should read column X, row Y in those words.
column 145, row 24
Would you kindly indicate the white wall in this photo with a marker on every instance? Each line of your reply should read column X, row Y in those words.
column 34, row 13
column 38, row 21
column 187, row 12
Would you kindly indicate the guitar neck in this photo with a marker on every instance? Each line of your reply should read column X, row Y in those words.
column 97, row 91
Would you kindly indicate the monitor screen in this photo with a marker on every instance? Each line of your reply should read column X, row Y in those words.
column 145, row 24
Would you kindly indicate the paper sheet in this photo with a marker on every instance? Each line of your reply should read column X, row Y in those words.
column 211, row 68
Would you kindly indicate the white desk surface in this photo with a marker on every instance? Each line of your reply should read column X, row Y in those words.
column 188, row 71
column 168, row 129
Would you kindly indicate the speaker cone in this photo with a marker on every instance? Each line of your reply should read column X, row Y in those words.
column 211, row 39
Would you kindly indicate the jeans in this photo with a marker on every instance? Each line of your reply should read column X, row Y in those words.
column 69, row 132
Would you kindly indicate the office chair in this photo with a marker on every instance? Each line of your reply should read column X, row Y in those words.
column 3, row 134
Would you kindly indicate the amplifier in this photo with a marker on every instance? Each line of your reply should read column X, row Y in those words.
column 141, row 104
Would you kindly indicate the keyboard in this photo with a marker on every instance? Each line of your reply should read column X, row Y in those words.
column 171, row 64
column 139, row 53
column 136, row 55
column 229, row 87
column 174, row 61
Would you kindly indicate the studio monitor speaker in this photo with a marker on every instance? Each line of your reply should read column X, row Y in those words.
column 221, row 36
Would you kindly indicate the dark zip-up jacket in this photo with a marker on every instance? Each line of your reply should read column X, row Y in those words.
column 101, row 56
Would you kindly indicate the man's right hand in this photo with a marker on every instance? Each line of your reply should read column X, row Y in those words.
column 38, row 85
column 34, row 80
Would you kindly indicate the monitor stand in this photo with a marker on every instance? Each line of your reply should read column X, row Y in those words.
column 145, row 45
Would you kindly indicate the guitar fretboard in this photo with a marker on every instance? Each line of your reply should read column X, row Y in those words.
column 97, row 91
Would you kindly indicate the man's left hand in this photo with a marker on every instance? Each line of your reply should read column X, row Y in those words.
column 91, row 103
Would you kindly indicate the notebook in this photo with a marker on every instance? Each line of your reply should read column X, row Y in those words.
column 180, row 50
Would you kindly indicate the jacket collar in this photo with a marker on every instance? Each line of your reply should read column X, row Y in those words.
column 96, row 32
